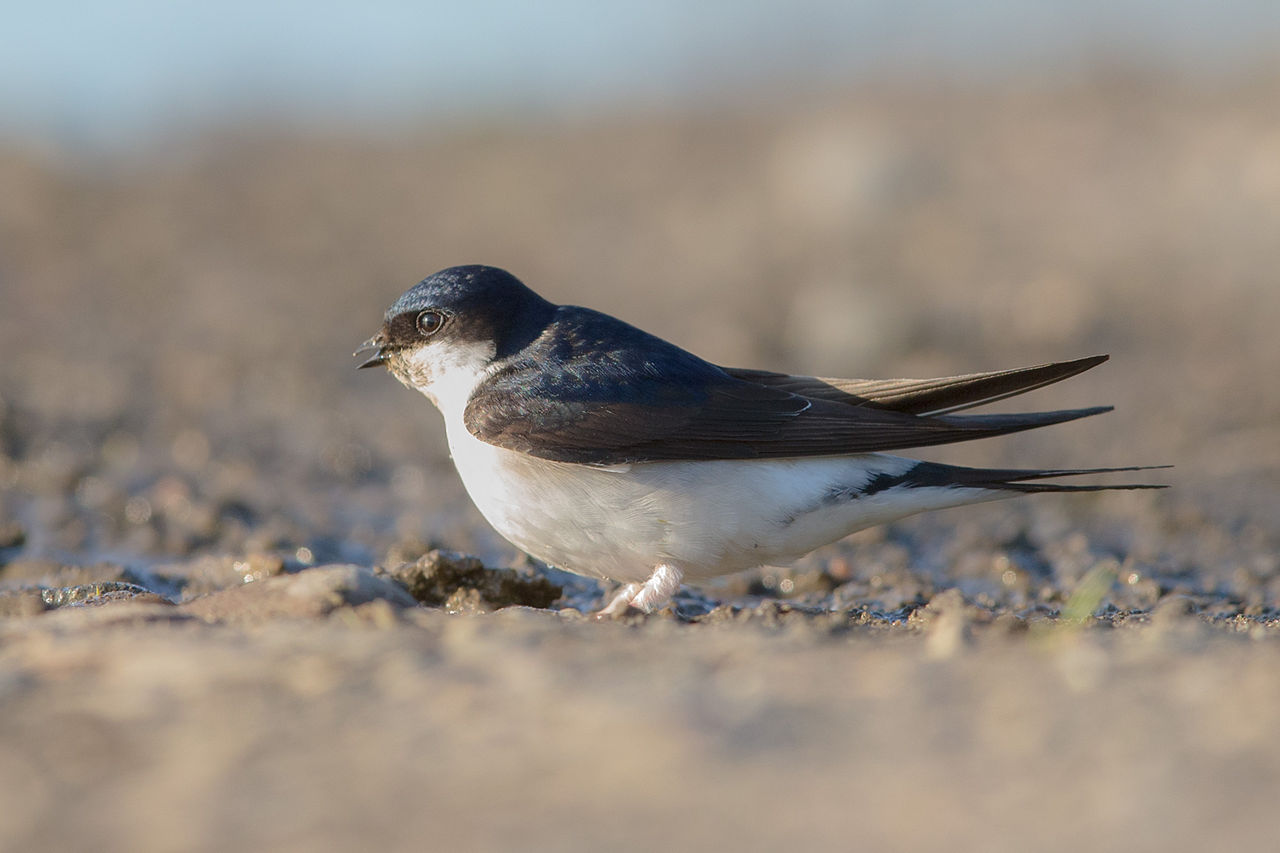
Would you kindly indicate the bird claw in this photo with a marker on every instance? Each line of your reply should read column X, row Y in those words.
column 653, row 594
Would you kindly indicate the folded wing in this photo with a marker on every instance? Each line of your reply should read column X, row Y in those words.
column 924, row 396
column 595, row 390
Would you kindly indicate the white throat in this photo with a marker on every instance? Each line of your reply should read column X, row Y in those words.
column 447, row 374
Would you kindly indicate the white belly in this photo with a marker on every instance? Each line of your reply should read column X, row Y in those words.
column 708, row 518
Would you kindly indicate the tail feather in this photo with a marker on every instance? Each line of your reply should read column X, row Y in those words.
column 1014, row 480
column 1004, row 423
column 933, row 474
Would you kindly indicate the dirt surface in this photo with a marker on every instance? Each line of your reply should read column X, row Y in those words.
column 226, row 621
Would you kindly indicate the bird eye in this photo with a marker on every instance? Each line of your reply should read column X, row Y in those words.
column 429, row 322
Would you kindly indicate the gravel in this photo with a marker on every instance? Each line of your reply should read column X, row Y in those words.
column 245, row 603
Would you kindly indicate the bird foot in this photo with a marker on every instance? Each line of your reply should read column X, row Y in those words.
column 652, row 595
column 618, row 606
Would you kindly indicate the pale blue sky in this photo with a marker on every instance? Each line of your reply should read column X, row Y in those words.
column 91, row 73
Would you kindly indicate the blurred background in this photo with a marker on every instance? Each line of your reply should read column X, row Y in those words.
column 205, row 211
column 205, row 208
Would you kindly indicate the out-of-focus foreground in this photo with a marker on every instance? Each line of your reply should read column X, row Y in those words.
column 178, row 410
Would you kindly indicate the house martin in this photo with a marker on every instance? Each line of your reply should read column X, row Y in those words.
column 609, row 452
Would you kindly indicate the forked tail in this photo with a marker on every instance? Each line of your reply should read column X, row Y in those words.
column 937, row 475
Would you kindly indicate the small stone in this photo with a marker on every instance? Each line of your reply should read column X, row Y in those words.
column 32, row 600
column 447, row 579
column 92, row 594
column 465, row 600
column 1172, row 609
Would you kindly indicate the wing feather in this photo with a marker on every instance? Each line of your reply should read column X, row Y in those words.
column 592, row 389
column 924, row 396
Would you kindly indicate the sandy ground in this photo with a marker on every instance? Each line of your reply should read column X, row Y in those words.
column 213, row 530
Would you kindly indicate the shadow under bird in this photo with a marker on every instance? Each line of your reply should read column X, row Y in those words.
column 606, row 451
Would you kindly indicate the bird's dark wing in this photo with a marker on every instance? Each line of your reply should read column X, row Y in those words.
column 924, row 396
column 594, row 390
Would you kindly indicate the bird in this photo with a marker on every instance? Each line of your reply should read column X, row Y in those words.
column 609, row 452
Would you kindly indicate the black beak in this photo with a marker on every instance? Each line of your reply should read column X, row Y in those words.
column 378, row 346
